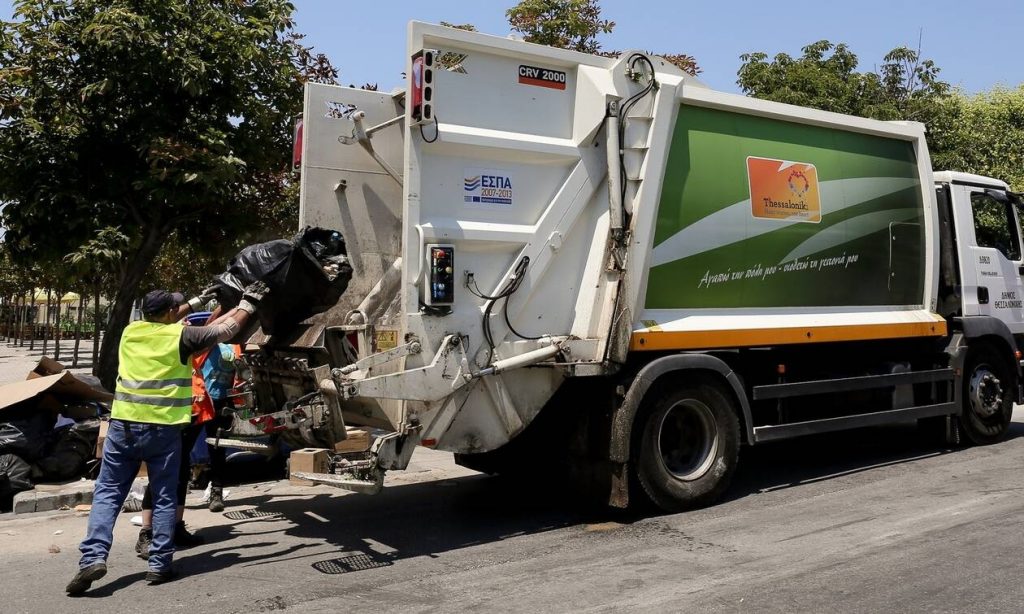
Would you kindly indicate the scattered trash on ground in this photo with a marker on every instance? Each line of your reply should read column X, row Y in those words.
column 54, row 549
column 49, row 426
column 209, row 489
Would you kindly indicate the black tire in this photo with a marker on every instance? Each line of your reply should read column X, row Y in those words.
column 688, row 446
column 987, row 396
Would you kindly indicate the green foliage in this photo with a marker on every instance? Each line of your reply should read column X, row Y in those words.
column 148, row 115
column 153, row 111
column 572, row 24
column 568, row 24
column 983, row 134
column 15, row 277
column 98, row 262
column 825, row 77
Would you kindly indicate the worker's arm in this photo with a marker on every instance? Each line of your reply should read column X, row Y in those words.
column 198, row 338
column 183, row 310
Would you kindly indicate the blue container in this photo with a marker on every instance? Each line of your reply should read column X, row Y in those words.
column 198, row 318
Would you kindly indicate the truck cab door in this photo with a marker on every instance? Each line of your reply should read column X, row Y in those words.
column 990, row 247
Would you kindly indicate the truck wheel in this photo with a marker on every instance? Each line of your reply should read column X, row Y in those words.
column 688, row 447
column 987, row 397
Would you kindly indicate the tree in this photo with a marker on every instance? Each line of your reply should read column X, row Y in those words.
column 567, row 24
column 825, row 77
column 572, row 24
column 151, row 115
column 983, row 134
column 97, row 263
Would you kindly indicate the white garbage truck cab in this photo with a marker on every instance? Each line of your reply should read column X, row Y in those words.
column 598, row 263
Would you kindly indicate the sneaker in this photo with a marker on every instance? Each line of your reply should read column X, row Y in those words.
column 159, row 577
column 145, row 540
column 216, row 499
column 183, row 538
column 85, row 577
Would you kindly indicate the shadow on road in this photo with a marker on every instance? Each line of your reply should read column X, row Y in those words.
column 784, row 464
column 426, row 519
column 401, row 522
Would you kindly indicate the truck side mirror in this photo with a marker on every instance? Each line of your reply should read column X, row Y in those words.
column 998, row 195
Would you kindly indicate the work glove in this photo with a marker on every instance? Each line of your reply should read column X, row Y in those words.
column 196, row 303
column 254, row 293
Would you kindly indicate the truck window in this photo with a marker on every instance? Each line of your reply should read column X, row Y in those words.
column 994, row 225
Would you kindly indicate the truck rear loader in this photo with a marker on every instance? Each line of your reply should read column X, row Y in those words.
column 600, row 262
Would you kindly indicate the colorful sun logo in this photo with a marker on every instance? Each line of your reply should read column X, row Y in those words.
column 798, row 183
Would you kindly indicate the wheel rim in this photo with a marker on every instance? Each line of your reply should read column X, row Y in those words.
column 688, row 439
column 985, row 392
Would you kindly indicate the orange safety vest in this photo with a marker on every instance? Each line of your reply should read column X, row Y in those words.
column 202, row 404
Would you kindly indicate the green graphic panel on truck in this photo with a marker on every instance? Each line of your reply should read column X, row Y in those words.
column 837, row 217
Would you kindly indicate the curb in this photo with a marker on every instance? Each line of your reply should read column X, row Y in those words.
column 50, row 497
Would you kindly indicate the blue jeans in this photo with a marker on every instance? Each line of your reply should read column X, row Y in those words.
column 128, row 444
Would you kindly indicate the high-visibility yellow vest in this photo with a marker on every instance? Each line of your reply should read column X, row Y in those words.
column 152, row 384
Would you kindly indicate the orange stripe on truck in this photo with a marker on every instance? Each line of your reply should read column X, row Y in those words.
column 753, row 337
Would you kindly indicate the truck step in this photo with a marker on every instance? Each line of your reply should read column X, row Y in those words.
column 828, row 425
column 346, row 482
column 241, row 444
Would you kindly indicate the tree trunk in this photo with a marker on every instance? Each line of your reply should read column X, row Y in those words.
column 46, row 320
column 57, row 333
column 32, row 317
column 96, row 330
column 121, row 309
column 9, row 317
column 78, row 328
column 12, row 334
column 13, row 320
column 24, row 316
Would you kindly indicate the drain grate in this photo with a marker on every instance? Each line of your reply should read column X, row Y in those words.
column 253, row 513
column 353, row 562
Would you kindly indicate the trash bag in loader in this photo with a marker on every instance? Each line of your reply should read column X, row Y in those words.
column 306, row 275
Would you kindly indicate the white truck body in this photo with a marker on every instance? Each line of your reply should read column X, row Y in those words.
column 546, row 178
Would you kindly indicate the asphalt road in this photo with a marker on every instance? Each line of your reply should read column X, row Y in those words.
column 879, row 520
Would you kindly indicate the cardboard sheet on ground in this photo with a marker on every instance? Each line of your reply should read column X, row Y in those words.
column 49, row 377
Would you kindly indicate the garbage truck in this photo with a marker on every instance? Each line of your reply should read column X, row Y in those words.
column 600, row 263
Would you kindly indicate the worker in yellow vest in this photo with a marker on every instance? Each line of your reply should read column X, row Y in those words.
column 152, row 403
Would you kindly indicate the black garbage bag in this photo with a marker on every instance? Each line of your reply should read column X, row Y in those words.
column 27, row 432
column 306, row 275
column 14, row 478
column 67, row 457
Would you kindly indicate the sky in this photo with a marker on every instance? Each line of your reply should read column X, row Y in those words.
column 976, row 44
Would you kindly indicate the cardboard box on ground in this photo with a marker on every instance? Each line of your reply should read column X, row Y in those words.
column 35, row 447
column 316, row 460
column 54, row 389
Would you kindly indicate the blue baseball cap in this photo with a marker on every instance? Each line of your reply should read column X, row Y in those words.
column 161, row 300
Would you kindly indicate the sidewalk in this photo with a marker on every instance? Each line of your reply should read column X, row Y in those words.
column 16, row 362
